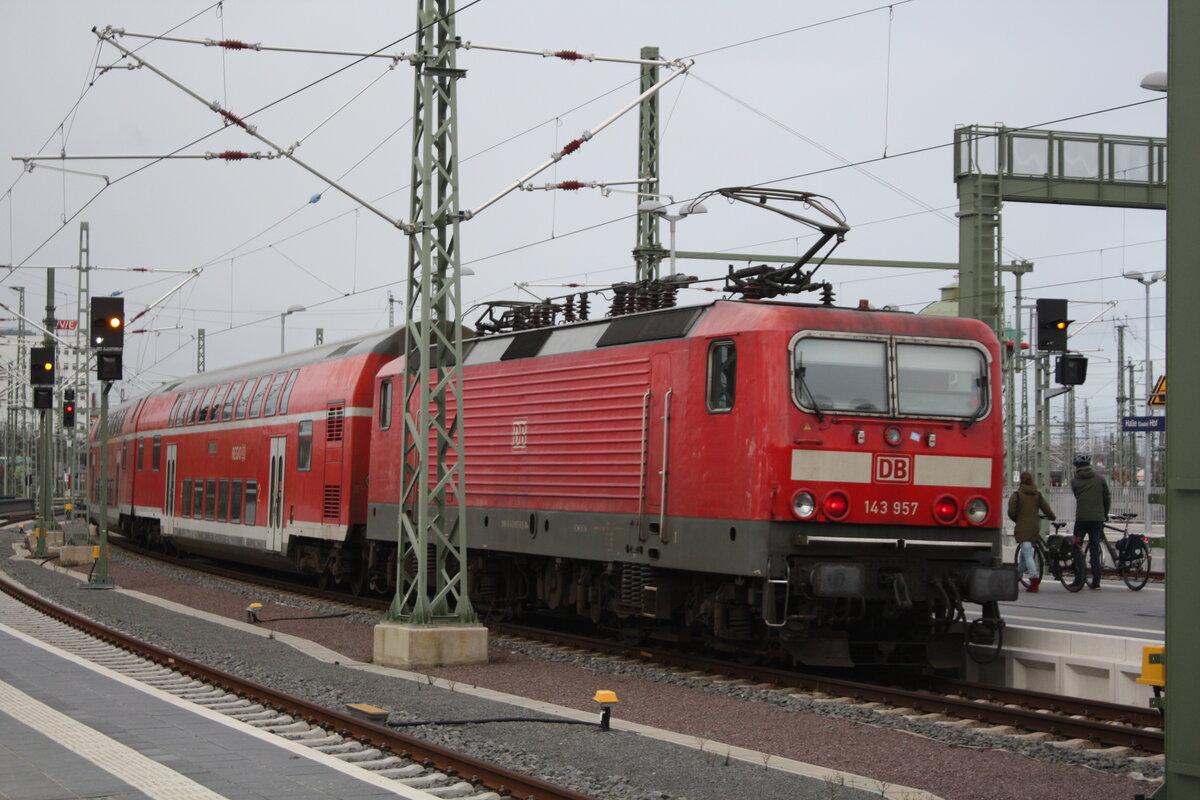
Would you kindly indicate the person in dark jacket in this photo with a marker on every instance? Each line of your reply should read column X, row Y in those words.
column 1024, row 508
column 1092, row 503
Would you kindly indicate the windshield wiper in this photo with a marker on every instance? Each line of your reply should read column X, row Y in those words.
column 983, row 404
column 801, row 370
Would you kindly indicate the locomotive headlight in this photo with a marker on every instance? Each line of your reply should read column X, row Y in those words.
column 945, row 509
column 804, row 505
column 836, row 505
column 977, row 510
column 892, row 436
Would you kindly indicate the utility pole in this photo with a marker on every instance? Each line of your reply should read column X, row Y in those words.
column 1122, row 455
column 431, row 620
column 200, row 357
column 648, row 253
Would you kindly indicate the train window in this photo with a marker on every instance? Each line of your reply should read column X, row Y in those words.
column 272, row 403
column 141, row 451
column 186, row 399
column 251, row 501
column 287, row 391
column 235, row 502
column 214, row 411
column 385, row 405
column 722, row 375
column 198, row 498
column 210, row 498
column 187, row 498
column 156, row 455
column 230, row 399
column 940, row 380
column 841, row 374
column 259, row 392
column 192, row 405
column 304, row 439
column 174, row 412
column 202, row 411
column 222, row 500
column 244, row 399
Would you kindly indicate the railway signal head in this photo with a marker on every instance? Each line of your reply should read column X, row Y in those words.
column 68, row 411
column 1071, row 369
column 1052, row 324
column 108, row 323
column 41, row 363
column 43, row 397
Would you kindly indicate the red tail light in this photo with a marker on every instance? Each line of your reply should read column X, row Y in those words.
column 945, row 510
column 836, row 505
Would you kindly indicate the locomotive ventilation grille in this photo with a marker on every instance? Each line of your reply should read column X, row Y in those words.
column 335, row 420
column 332, row 507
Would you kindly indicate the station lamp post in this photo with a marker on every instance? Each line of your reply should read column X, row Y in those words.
column 282, row 318
column 1148, row 281
column 659, row 208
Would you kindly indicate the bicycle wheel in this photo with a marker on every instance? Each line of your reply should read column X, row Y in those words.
column 1134, row 569
column 1039, row 564
column 1071, row 570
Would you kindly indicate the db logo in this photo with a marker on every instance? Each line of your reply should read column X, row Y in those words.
column 893, row 469
column 520, row 434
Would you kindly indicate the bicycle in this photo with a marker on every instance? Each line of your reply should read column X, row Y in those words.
column 1065, row 559
column 1130, row 555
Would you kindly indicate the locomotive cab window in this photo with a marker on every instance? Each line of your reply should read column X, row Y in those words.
column 841, row 374
column 722, row 376
column 940, row 380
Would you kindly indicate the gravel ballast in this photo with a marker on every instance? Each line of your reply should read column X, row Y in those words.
column 892, row 749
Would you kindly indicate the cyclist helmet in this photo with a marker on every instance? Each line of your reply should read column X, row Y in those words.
column 1083, row 460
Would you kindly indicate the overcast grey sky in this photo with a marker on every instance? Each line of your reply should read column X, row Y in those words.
column 780, row 88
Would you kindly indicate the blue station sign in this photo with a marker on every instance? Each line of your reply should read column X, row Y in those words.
column 1143, row 423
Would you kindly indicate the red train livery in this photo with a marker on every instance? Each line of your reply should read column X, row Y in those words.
column 775, row 478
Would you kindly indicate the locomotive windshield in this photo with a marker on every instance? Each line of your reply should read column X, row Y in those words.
column 889, row 376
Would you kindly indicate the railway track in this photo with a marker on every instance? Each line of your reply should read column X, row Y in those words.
column 386, row 752
column 1099, row 723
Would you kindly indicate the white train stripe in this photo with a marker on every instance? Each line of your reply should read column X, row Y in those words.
column 842, row 466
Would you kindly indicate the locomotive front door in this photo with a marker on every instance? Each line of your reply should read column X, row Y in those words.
column 275, row 494
column 168, row 515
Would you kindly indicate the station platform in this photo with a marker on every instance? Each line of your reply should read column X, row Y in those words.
column 70, row 729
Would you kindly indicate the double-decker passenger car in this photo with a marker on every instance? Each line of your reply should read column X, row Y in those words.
column 764, row 477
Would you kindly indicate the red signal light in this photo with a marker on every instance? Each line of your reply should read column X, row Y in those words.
column 836, row 505
column 945, row 509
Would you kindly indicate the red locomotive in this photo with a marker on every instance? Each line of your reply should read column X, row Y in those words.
column 762, row 476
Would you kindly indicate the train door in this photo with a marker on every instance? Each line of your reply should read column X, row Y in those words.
column 168, row 515
column 275, row 494
column 656, row 449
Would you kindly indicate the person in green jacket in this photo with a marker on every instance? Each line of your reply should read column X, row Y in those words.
column 1024, row 508
column 1092, row 503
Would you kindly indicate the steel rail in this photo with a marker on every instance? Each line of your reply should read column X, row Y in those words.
column 472, row 770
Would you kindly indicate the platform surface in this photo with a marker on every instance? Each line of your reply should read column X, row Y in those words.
column 70, row 729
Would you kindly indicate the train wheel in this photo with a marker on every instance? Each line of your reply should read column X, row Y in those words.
column 323, row 580
column 358, row 582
